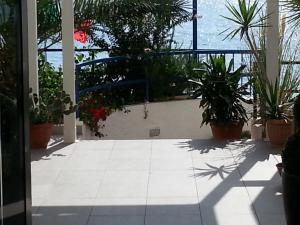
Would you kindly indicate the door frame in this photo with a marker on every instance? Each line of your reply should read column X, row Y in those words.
column 24, row 96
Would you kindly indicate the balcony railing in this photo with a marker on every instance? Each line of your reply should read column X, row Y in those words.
column 240, row 57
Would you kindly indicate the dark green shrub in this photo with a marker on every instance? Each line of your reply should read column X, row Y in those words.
column 221, row 95
column 50, row 79
column 169, row 75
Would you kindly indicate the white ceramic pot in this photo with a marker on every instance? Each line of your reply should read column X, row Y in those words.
column 257, row 131
column 87, row 134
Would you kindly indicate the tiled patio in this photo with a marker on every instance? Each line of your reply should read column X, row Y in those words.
column 157, row 182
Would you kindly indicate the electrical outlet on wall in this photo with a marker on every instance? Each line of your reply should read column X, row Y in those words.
column 154, row 132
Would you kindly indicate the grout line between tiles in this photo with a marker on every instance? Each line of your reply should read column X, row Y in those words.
column 149, row 173
column 200, row 211
column 249, row 196
column 100, row 185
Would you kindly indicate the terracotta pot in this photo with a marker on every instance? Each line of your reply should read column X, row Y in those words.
column 40, row 135
column 228, row 131
column 181, row 97
column 279, row 131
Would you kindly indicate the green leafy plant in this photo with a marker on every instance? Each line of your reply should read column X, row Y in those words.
column 51, row 109
column 129, row 33
column 292, row 9
column 221, row 95
column 169, row 75
column 50, row 79
column 271, row 99
column 249, row 18
column 291, row 153
column 279, row 96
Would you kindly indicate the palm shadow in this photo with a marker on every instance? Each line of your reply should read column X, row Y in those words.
column 213, row 171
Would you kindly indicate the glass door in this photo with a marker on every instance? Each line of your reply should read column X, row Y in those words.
column 14, row 160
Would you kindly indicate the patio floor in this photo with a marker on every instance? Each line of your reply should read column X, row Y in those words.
column 157, row 182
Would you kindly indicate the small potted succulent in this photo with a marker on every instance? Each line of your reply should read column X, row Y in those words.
column 45, row 111
column 222, row 98
column 291, row 171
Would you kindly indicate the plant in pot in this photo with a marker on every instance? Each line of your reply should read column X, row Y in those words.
column 222, row 98
column 291, row 171
column 46, row 111
column 278, row 98
column 95, row 108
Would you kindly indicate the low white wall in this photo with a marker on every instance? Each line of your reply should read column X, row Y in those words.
column 175, row 119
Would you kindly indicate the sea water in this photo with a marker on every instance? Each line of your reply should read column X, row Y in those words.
column 210, row 26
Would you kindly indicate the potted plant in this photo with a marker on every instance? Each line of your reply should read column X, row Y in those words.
column 278, row 101
column 46, row 111
column 291, row 171
column 92, row 112
column 222, row 98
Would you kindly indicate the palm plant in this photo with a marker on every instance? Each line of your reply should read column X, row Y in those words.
column 161, row 15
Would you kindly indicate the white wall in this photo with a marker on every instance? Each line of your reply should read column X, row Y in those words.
column 175, row 119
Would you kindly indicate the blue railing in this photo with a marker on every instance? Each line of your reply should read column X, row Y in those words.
column 202, row 54
column 107, row 86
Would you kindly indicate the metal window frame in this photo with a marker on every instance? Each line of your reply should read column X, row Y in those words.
column 24, row 95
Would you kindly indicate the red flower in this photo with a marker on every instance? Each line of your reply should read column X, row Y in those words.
column 99, row 114
column 81, row 36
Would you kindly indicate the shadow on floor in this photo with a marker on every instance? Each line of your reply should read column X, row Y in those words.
column 55, row 144
column 265, row 196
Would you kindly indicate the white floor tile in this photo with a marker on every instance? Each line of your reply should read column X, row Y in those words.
column 116, row 220
column 172, row 184
column 157, row 182
column 124, row 185
column 173, row 220
column 173, row 206
column 119, row 207
column 128, row 164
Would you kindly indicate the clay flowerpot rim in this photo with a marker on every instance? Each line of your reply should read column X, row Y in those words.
column 41, row 124
column 235, row 122
column 280, row 121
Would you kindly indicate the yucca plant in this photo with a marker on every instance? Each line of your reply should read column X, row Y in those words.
column 248, row 18
column 279, row 96
column 292, row 10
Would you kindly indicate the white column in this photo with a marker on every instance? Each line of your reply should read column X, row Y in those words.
column 272, row 40
column 32, row 46
column 68, row 66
